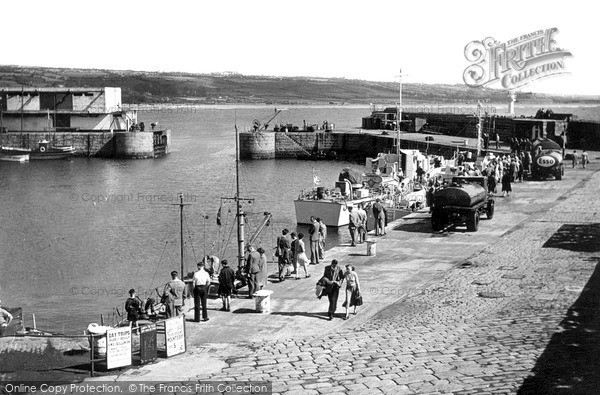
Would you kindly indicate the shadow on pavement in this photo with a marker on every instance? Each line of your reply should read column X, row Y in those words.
column 243, row 311
column 570, row 363
column 321, row 316
column 579, row 238
column 416, row 225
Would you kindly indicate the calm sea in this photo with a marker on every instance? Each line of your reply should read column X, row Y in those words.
column 76, row 235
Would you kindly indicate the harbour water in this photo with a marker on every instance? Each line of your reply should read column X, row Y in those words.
column 77, row 235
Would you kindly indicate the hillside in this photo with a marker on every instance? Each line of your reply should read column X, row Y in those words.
column 158, row 87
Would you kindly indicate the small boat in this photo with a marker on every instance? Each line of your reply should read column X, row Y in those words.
column 391, row 178
column 352, row 189
column 14, row 157
column 44, row 151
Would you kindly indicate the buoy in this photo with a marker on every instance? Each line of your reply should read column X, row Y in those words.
column 42, row 149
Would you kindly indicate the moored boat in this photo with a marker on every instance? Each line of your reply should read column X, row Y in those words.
column 7, row 157
column 397, row 180
column 352, row 189
column 44, row 151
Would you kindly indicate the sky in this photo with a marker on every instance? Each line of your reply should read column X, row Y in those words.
column 354, row 39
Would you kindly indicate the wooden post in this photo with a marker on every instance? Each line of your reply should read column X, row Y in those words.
column 91, row 339
column 102, row 319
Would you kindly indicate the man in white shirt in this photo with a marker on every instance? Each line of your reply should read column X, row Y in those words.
column 201, row 283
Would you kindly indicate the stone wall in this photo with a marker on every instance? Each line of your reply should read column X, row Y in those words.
column 85, row 144
column 134, row 145
column 257, row 145
column 463, row 125
column 346, row 146
column 100, row 144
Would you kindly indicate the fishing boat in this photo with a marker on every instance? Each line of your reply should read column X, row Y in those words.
column 8, row 157
column 44, row 151
column 397, row 180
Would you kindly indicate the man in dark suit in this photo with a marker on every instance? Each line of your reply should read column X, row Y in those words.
column 333, row 277
column 284, row 244
column 252, row 270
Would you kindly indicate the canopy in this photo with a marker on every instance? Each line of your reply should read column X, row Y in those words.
column 352, row 175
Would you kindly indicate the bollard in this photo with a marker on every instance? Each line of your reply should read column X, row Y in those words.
column 262, row 301
column 371, row 248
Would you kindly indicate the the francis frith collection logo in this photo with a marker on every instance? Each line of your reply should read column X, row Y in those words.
column 515, row 63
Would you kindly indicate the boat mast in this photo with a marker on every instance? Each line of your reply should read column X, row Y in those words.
column 239, row 213
column 479, row 126
column 181, row 204
column 22, row 93
column 399, row 115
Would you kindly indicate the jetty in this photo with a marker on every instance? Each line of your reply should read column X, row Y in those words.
column 431, row 132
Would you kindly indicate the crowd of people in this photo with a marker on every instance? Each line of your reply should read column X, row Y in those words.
column 294, row 255
column 292, row 262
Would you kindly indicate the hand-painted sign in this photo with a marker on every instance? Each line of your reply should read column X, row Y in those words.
column 175, row 335
column 118, row 347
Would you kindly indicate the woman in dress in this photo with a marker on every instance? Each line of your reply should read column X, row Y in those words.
column 291, row 267
column 226, row 285
column 300, row 258
column 352, row 289
column 262, row 264
column 506, row 187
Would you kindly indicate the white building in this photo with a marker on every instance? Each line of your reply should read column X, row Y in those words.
column 28, row 109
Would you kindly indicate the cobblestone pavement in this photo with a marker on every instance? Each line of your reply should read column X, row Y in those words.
column 518, row 316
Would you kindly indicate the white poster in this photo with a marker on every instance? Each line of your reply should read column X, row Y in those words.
column 175, row 335
column 118, row 347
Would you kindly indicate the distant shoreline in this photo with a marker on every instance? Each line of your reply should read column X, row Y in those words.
column 587, row 112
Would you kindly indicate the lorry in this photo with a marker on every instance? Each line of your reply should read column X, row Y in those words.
column 463, row 201
column 547, row 160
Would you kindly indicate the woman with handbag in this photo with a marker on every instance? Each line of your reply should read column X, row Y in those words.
column 353, row 296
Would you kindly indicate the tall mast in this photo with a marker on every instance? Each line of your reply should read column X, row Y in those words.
column 181, row 204
column 479, row 125
column 399, row 115
column 239, row 213
column 181, row 230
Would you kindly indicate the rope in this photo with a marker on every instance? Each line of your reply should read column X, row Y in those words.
column 189, row 237
column 158, row 264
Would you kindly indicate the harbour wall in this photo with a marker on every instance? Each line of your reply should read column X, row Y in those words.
column 351, row 146
column 464, row 125
column 125, row 145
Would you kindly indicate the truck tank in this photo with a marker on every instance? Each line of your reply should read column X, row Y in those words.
column 548, row 160
column 460, row 195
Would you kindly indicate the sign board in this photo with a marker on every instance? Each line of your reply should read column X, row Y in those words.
column 147, row 343
column 175, row 335
column 118, row 347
